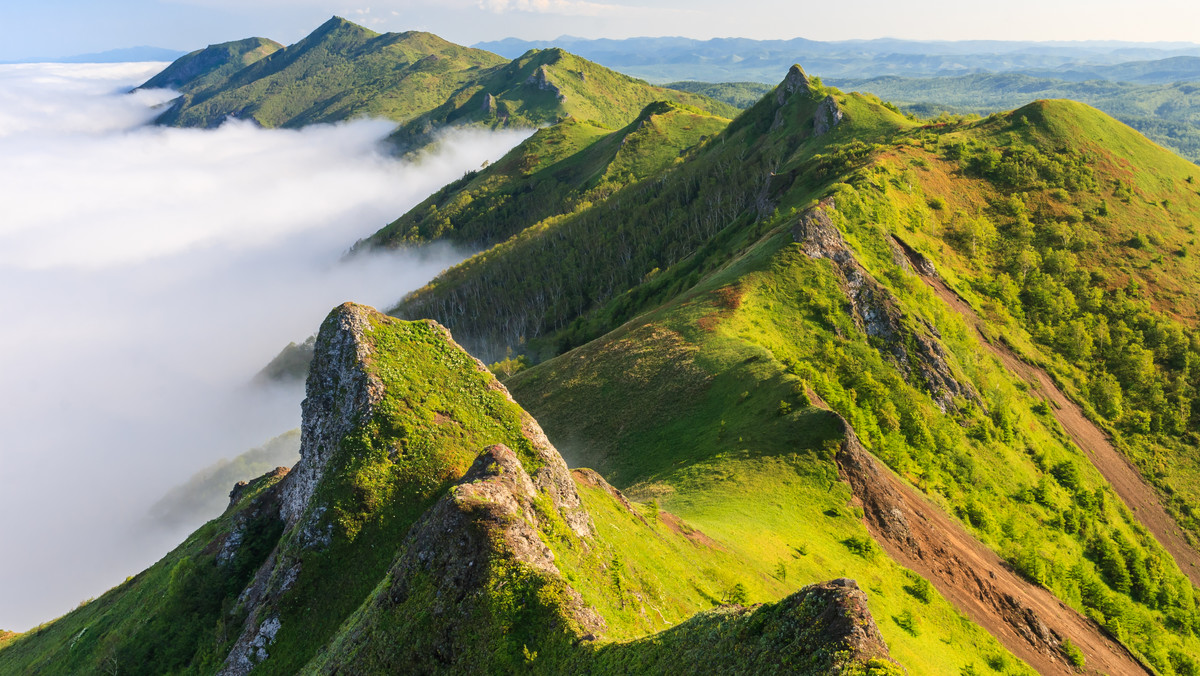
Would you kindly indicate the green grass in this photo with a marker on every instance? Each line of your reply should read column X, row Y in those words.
column 1166, row 113
column 340, row 71
column 741, row 95
column 558, row 170
column 212, row 66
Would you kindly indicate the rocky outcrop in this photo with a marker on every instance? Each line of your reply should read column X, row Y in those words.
column 828, row 115
column 795, row 80
column 496, row 496
column 837, row 613
column 552, row 477
column 918, row 354
column 541, row 79
column 488, row 513
column 340, row 393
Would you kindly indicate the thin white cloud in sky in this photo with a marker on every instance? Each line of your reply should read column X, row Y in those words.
column 565, row 7
column 146, row 274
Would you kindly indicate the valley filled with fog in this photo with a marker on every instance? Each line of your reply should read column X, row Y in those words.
column 146, row 275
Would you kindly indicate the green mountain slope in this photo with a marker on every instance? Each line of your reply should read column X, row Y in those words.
column 1066, row 229
column 738, row 94
column 547, row 86
column 558, row 170
column 340, row 71
column 212, row 66
column 1166, row 113
column 559, row 272
column 393, row 545
column 951, row 361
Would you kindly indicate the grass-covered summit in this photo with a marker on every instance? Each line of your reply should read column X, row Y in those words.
column 343, row 71
column 212, row 66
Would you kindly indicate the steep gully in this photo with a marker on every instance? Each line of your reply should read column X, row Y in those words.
column 1117, row 470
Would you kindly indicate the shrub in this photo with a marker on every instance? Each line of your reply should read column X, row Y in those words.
column 862, row 545
column 1074, row 654
column 736, row 595
column 907, row 622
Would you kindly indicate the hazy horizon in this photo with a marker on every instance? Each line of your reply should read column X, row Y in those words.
column 81, row 27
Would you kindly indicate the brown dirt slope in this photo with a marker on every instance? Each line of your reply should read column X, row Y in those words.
column 1120, row 474
column 1028, row 620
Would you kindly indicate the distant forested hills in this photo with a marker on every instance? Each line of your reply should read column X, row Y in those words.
column 740, row 59
column 1169, row 114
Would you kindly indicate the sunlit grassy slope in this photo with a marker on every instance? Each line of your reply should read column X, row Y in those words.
column 340, row 71
column 212, row 66
column 1069, row 229
column 558, row 170
column 343, row 71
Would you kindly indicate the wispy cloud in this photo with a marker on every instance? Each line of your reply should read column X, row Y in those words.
column 563, row 7
column 145, row 275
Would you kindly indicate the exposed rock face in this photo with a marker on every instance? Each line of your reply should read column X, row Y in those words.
column 877, row 312
column 489, row 104
column 827, row 117
column 795, row 81
column 838, row 610
column 553, row 477
column 490, row 510
column 541, row 79
column 339, row 394
column 487, row 521
column 496, row 496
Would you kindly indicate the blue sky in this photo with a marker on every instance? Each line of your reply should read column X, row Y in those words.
column 31, row 28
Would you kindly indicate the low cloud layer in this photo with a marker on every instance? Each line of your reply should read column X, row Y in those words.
column 146, row 274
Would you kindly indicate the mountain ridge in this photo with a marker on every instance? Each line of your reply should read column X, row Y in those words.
column 342, row 71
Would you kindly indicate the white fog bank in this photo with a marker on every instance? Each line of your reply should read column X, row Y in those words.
column 146, row 274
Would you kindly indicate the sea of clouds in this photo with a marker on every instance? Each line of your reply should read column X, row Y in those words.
column 146, row 275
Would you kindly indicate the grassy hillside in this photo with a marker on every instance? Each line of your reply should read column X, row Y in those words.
column 1052, row 201
column 340, row 71
column 343, row 71
column 402, row 548
column 741, row 95
column 1167, row 113
column 551, row 173
column 821, row 340
column 546, row 86
column 171, row 617
column 571, row 278
column 211, row 67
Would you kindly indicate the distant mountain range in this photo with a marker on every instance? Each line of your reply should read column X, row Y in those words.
column 123, row 55
column 741, row 59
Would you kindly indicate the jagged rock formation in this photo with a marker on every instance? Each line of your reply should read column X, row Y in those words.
column 340, row 393
column 795, row 80
column 918, row 354
column 827, row 117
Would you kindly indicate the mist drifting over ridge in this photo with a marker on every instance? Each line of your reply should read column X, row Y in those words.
column 146, row 274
